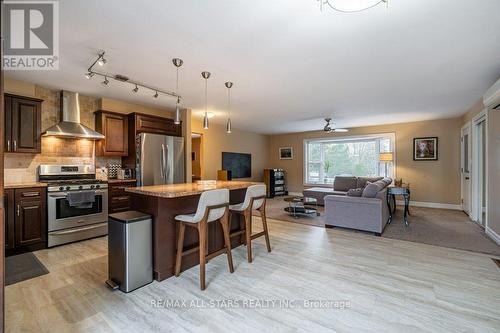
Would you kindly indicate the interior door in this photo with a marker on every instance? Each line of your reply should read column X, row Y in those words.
column 465, row 168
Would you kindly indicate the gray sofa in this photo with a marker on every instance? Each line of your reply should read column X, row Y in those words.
column 341, row 185
column 366, row 211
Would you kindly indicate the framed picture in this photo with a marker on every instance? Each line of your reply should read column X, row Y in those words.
column 425, row 149
column 286, row 153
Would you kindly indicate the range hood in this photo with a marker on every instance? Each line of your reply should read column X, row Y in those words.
column 70, row 126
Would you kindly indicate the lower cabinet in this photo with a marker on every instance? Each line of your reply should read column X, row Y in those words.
column 118, row 198
column 25, row 220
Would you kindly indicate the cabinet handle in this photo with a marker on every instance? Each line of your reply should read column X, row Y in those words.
column 18, row 210
column 8, row 144
column 15, row 145
column 31, row 194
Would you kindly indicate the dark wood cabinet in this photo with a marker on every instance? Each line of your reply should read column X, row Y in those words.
column 9, row 218
column 26, row 219
column 118, row 198
column 158, row 125
column 22, row 124
column 114, row 126
column 143, row 123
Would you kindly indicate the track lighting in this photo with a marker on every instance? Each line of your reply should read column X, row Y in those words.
column 89, row 75
column 105, row 82
column 155, row 95
column 206, row 76
column 136, row 89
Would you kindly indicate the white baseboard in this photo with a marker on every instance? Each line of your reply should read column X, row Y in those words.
column 493, row 235
column 430, row 205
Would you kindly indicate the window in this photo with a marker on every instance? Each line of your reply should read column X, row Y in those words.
column 348, row 156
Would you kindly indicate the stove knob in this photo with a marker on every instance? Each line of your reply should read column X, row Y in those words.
column 92, row 187
column 61, row 188
column 80, row 187
column 68, row 188
column 98, row 186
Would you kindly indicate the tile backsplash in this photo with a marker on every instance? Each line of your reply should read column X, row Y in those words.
column 20, row 168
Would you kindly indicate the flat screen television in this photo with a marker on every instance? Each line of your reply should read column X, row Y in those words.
column 239, row 164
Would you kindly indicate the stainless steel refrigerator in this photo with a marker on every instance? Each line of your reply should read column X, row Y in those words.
column 160, row 159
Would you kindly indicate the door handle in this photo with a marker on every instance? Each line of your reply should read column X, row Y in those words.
column 18, row 210
column 466, row 178
column 15, row 145
column 8, row 144
column 167, row 171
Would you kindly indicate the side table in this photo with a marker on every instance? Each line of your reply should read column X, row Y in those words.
column 392, row 191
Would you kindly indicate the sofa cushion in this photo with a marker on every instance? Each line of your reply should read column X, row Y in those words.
column 355, row 192
column 361, row 182
column 344, row 183
column 371, row 189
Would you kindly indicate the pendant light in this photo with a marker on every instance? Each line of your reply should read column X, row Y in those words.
column 228, row 85
column 206, row 76
column 177, row 63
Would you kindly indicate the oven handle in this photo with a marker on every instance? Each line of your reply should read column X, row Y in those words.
column 72, row 231
column 60, row 196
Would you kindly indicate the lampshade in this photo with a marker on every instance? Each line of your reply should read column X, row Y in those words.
column 386, row 157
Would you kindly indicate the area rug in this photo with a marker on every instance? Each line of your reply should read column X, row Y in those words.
column 23, row 267
column 439, row 227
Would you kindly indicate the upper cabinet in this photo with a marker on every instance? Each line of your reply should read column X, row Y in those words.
column 22, row 124
column 114, row 126
column 151, row 124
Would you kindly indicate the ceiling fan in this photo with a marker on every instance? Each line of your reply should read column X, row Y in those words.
column 328, row 128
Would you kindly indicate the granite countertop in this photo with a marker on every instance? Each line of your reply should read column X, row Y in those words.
column 130, row 180
column 24, row 185
column 187, row 189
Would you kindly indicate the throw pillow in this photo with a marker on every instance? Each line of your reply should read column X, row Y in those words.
column 355, row 192
column 370, row 190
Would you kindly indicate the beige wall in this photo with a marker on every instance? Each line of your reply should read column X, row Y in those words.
column 430, row 181
column 494, row 171
column 114, row 105
column 216, row 140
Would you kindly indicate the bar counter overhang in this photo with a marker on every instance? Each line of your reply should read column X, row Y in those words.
column 164, row 202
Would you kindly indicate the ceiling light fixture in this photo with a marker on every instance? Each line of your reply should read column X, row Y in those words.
column 329, row 129
column 123, row 78
column 177, row 63
column 105, row 82
column 89, row 75
column 351, row 6
column 228, row 85
column 206, row 76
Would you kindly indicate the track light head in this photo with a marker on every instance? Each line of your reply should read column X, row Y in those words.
column 101, row 61
column 105, row 82
column 89, row 75
column 228, row 85
column 155, row 95
column 136, row 89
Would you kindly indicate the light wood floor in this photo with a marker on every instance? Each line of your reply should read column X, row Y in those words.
column 392, row 286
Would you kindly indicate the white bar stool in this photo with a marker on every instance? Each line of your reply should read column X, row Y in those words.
column 255, row 198
column 212, row 206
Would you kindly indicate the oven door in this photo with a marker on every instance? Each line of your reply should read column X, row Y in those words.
column 62, row 216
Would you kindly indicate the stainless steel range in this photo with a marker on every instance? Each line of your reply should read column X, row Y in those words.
column 69, row 222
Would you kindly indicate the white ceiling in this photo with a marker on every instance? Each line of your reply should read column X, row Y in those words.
column 291, row 64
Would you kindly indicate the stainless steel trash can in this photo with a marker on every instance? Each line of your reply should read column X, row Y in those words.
column 130, row 250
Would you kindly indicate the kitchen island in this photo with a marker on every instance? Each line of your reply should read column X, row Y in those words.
column 164, row 202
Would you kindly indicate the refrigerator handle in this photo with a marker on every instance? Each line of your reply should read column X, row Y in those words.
column 167, row 172
column 162, row 161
